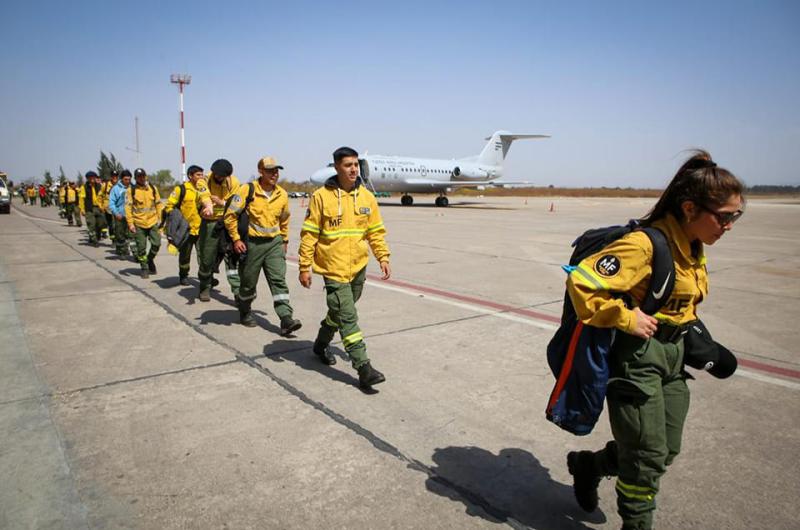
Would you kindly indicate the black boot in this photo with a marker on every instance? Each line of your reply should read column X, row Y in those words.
column 184, row 280
column 245, row 314
column 368, row 376
column 289, row 325
column 204, row 295
column 324, row 353
column 151, row 264
column 145, row 272
column 585, row 479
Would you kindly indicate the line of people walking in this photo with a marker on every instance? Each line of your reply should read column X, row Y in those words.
column 245, row 229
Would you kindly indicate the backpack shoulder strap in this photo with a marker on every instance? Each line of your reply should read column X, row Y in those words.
column 662, row 279
column 181, row 196
column 153, row 189
column 250, row 194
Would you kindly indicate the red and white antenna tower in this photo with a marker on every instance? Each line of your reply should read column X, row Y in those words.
column 181, row 80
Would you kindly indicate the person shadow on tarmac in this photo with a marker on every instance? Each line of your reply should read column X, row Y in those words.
column 510, row 487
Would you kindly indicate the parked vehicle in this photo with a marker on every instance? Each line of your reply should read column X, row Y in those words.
column 5, row 198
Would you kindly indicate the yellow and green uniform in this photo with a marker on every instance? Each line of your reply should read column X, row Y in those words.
column 337, row 231
column 268, row 231
column 208, row 240
column 189, row 208
column 648, row 398
column 90, row 207
column 71, row 198
column 105, row 192
column 143, row 210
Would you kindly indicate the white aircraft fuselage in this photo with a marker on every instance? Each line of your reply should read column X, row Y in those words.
column 425, row 175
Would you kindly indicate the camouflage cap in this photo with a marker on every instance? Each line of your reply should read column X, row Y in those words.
column 269, row 162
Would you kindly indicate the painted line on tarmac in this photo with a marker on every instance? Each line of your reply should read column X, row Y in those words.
column 767, row 379
column 510, row 313
column 464, row 302
column 763, row 367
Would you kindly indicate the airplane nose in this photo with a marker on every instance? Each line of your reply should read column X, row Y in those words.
column 321, row 175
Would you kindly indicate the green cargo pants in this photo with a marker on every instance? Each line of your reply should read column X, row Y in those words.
column 648, row 400
column 73, row 212
column 110, row 219
column 208, row 245
column 342, row 315
column 266, row 254
column 141, row 237
column 121, row 236
column 185, row 255
column 95, row 222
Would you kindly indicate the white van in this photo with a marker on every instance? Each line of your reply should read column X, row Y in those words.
column 5, row 198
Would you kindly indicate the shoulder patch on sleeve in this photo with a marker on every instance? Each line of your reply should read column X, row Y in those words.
column 608, row 265
column 364, row 211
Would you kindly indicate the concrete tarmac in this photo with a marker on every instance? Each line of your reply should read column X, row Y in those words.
column 127, row 403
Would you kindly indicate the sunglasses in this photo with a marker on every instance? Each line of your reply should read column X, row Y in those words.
column 724, row 218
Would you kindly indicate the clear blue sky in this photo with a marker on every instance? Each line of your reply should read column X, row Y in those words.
column 623, row 87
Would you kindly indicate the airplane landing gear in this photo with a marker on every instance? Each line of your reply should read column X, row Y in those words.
column 442, row 201
column 406, row 200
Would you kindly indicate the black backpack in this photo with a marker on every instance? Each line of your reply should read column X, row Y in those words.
column 225, row 242
column 578, row 353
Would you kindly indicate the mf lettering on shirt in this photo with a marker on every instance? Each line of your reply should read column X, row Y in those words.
column 677, row 304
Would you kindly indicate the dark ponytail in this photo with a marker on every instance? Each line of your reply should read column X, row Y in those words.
column 699, row 180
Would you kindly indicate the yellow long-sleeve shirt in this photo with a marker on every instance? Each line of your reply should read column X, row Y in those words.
column 591, row 286
column 268, row 212
column 105, row 192
column 61, row 194
column 190, row 205
column 143, row 206
column 222, row 190
column 71, row 196
column 337, row 229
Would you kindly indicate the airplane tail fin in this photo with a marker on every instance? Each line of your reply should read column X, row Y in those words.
column 499, row 143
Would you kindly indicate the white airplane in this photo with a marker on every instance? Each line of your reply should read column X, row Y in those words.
column 421, row 175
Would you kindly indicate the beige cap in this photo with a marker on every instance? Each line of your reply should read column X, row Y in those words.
column 269, row 163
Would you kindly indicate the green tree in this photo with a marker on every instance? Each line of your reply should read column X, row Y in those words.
column 79, row 179
column 162, row 179
column 107, row 164
column 62, row 178
column 48, row 179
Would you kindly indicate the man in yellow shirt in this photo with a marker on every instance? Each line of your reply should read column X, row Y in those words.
column 143, row 212
column 221, row 184
column 342, row 218
column 71, row 204
column 90, row 201
column 105, row 193
column 267, row 207
column 186, row 198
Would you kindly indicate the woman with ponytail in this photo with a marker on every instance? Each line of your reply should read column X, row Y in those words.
column 648, row 398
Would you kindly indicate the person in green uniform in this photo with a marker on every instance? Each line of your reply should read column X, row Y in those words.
column 647, row 397
column 267, row 207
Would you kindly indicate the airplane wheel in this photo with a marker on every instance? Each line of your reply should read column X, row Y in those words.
column 442, row 201
column 406, row 200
